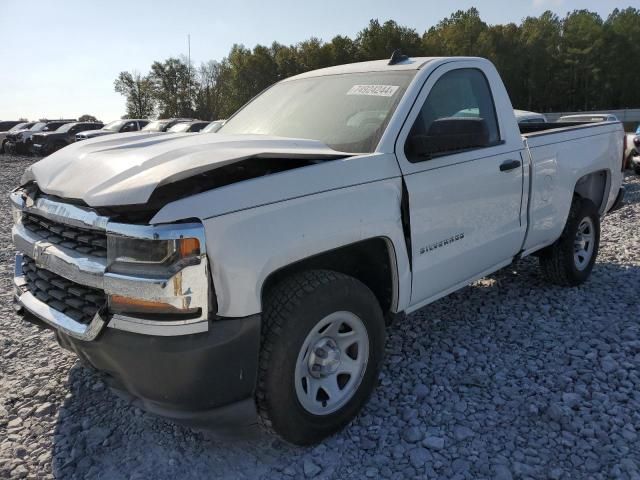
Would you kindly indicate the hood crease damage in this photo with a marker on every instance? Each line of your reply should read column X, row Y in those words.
column 143, row 172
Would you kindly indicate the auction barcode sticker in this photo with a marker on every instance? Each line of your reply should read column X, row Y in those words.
column 375, row 90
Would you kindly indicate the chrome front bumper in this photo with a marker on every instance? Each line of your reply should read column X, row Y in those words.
column 51, row 316
column 187, row 288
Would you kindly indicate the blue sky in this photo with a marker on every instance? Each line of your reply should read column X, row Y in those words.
column 60, row 58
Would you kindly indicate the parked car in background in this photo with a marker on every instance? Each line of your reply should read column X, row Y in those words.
column 20, row 141
column 6, row 125
column 213, row 127
column 589, row 118
column 188, row 127
column 45, row 143
column 117, row 126
column 634, row 154
column 635, row 164
column 14, row 129
column 164, row 124
column 524, row 116
column 217, row 278
column 631, row 148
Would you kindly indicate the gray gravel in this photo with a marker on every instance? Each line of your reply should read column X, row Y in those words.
column 509, row 378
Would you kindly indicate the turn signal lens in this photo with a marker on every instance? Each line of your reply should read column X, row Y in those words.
column 188, row 247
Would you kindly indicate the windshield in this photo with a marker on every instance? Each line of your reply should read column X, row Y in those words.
column 156, row 126
column 65, row 128
column 114, row 126
column 180, row 127
column 38, row 126
column 50, row 127
column 19, row 126
column 346, row 112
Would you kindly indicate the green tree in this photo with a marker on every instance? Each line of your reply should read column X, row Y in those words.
column 378, row 41
column 174, row 87
column 622, row 41
column 456, row 35
column 87, row 118
column 542, row 69
column 547, row 63
column 138, row 91
column 210, row 90
column 581, row 48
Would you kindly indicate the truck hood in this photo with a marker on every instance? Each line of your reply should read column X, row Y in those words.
column 125, row 169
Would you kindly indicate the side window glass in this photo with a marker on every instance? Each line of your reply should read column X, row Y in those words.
column 129, row 127
column 458, row 115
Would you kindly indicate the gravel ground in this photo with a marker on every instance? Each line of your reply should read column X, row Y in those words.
column 508, row 378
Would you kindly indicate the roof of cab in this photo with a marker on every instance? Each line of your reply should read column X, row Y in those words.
column 412, row 63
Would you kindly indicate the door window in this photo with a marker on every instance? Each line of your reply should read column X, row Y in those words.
column 458, row 115
column 129, row 127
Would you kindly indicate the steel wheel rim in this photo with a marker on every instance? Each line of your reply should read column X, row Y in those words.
column 583, row 244
column 331, row 363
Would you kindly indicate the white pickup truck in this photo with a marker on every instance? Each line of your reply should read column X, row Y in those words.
column 250, row 274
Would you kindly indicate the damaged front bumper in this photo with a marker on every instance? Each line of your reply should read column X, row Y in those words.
column 185, row 369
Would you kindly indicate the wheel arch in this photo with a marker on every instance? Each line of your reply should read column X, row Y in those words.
column 371, row 261
column 594, row 186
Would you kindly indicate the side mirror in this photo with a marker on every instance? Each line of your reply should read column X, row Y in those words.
column 450, row 134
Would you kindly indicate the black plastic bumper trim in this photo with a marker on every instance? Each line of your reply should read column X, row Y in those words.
column 204, row 379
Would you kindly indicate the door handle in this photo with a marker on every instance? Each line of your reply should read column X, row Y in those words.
column 509, row 165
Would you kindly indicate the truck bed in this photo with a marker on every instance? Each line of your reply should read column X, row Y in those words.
column 560, row 156
column 529, row 129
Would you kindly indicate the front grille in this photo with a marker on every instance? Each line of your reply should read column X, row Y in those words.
column 89, row 242
column 74, row 300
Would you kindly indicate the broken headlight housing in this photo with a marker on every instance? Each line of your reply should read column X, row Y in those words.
column 157, row 272
column 134, row 256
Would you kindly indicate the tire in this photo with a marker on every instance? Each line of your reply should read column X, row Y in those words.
column 561, row 262
column 301, row 313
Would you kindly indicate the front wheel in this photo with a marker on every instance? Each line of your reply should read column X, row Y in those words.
column 569, row 261
column 322, row 346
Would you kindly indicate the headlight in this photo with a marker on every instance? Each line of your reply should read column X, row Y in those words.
column 146, row 258
column 131, row 256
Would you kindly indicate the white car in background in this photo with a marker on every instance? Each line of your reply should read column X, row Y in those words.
column 213, row 127
column 589, row 118
column 524, row 116
column 117, row 126
column 189, row 127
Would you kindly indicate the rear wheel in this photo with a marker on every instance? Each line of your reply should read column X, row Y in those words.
column 322, row 346
column 570, row 259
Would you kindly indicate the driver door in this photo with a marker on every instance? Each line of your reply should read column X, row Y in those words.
column 464, row 181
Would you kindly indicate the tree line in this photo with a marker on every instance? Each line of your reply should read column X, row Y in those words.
column 548, row 63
